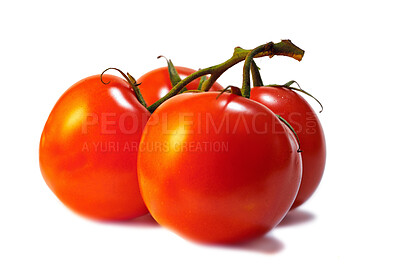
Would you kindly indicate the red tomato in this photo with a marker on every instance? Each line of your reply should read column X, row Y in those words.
column 295, row 109
column 156, row 83
column 88, row 149
column 217, row 170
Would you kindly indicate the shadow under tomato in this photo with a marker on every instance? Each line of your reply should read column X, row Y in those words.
column 296, row 217
column 266, row 244
column 142, row 221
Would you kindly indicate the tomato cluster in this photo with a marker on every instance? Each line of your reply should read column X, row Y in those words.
column 213, row 166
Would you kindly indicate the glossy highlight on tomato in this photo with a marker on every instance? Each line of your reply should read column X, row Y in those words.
column 295, row 109
column 88, row 149
column 156, row 83
column 217, row 168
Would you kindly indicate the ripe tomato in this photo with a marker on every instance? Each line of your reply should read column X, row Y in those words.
column 88, row 149
column 217, row 170
column 295, row 109
column 156, row 83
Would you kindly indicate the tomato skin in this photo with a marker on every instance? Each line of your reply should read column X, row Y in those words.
column 156, row 83
column 295, row 109
column 83, row 152
column 217, row 195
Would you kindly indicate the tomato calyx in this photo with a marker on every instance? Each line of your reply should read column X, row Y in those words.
column 132, row 82
column 232, row 89
column 289, row 86
column 173, row 73
column 202, row 80
column 175, row 78
column 291, row 129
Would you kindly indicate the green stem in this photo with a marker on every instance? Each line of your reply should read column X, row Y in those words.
column 246, row 68
column 255, row 75
column 283, row 48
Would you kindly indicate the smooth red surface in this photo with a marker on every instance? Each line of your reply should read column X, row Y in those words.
column 87, row 149
column 295, row 109
column 156, row 83
column 210, row 194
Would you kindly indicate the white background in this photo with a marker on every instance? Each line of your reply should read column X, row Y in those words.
column 351, row 64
